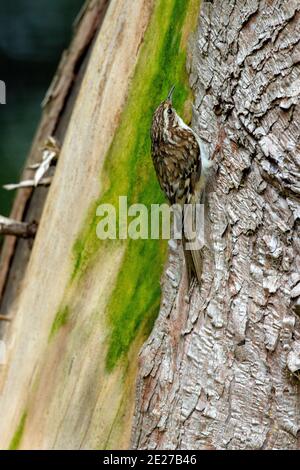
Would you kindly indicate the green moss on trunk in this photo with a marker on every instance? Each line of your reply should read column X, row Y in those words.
column 17, row 437
column 61, row 319
column 128, row 170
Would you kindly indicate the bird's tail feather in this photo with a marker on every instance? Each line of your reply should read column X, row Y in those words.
column 194, row 263
column 192, row 241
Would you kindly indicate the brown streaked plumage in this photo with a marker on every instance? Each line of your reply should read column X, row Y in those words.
column 175, row 154
column 176, row 157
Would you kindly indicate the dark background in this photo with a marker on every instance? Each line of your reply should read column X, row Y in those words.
column 33, row 34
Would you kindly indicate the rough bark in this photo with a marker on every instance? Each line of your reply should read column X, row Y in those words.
column 221, row 372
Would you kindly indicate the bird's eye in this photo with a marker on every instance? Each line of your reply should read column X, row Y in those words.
column 170, row 111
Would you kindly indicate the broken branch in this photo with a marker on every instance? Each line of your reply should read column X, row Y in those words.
column 17, row 229
column 4, row 318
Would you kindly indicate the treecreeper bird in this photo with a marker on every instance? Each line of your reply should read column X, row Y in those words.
column 181, row 166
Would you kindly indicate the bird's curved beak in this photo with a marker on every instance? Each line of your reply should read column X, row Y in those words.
column 170, row 95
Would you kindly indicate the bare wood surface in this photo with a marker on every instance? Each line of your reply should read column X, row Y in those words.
column 218, row 373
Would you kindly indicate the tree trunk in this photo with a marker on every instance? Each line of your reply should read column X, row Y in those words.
column 83, row 307
column 222, row 372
